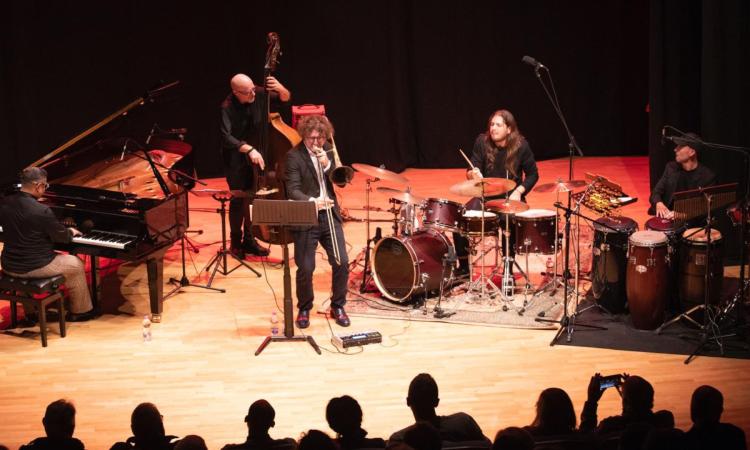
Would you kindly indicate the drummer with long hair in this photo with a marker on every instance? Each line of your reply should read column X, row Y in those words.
column 500, row 152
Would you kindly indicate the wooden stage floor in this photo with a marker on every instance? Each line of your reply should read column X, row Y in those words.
column 201, row 373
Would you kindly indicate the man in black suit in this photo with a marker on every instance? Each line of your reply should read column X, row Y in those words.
column 307, row 169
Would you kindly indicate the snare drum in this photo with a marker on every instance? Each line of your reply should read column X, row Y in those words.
column 609, row 261
column 535, row 231
column 646, row 276
column 471, row 223
column 407, row 265
column 442, row 214
column 692, row 282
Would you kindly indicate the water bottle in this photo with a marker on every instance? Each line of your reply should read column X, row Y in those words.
column 274, row 324
column 146, row 328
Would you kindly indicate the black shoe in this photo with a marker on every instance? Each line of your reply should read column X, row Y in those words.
column 341, row 318
column 238, row 252
column 251, row 247
column 303, row 318
column 83, row 317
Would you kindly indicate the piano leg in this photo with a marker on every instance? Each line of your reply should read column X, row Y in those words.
column 155, row 271
column 94, row 281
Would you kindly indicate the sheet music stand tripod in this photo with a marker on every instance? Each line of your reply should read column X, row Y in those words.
column 285, row 213
column 219, row 260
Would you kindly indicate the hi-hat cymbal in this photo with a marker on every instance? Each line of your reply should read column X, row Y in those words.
column 506, row 206
column 379, row 173
column 492, row 186
column 560, row 186
column 402, row 196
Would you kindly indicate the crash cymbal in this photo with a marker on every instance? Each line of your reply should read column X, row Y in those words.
column 402, row 196
column 506, row 206
column 492, row 186
column 560, row 186
column 379, row 173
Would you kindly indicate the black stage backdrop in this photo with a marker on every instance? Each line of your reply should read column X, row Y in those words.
column 406, row 83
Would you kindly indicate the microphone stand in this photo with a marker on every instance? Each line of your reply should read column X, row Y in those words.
column 566, row 322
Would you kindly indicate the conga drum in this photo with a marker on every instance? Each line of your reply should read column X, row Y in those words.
column 674, row 237
column 608, row 262
column 646, row 275
column 693, row 261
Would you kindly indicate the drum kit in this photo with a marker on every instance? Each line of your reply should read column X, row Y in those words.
column 419, row 256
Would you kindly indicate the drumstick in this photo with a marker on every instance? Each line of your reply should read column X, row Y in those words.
column 469, row 161
column 466, row 158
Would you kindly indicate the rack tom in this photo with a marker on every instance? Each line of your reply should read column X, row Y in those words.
column 646, row 275
column 442, row 214
column 535, row 231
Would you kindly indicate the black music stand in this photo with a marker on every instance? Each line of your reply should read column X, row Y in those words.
column 285, row 213
column 219, row 260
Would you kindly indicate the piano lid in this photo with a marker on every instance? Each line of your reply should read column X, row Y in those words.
column 104, row 157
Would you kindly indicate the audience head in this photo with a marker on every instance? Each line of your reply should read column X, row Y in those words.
column 664, row 439
column 60, row 419
column 260, row 416
column 344, row 415
column 423, row 393
column 554, row 412
column 637, row 396
column 423, row 436
column 191, row 442
column 706, row 405
column 316, row 440
column 513, row 438
column 146, row 423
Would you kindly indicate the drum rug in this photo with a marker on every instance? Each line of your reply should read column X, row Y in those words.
column 466, row 308
column 679, row 338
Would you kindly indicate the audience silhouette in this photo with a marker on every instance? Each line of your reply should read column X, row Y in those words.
column 260, row 418
column 555, row 415
column 59, row 424
column 344, row 416
column 316, row 440
column 637, row 404
column 423, row 399
column 708, row 432
column 423, row 436
column 148, row 431
column 191, row 442
column 513, row 438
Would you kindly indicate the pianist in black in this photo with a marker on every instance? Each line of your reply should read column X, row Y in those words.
column 30, row 230
column 307, row 169
column 242, row 114
column 682, row 174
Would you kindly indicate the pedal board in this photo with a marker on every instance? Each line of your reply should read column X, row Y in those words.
column 357, row 339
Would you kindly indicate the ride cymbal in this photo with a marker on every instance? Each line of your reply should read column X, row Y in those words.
column 381, row 174
column 506, row 206
column 474, row 188
column 560, row 186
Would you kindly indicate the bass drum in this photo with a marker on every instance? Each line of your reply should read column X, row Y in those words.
column 407, row 265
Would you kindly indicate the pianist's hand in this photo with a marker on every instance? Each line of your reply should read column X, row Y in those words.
column 74, row 232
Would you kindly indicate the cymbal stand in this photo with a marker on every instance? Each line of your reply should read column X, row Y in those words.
column 556, row 282
column 367, row 272
column 449, row 262
column 483, row 281
column 219, row 260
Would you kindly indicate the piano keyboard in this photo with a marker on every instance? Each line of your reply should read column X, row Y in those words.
column 105, row 239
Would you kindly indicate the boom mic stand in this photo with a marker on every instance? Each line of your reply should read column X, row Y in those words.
column 566, row 324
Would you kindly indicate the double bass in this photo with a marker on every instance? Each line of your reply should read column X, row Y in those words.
column 273, row 140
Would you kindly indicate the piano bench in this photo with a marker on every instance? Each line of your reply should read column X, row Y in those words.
column 35, row 294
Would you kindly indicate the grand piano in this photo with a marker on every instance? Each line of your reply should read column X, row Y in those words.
column 128, row 199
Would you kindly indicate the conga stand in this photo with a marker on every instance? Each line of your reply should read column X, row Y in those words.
column 285, row 213
column 219, row 260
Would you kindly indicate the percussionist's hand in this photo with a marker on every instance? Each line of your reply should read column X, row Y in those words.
column 515, row 195
column 474, row 174
column 663, row 212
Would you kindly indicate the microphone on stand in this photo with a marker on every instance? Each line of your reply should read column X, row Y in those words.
column 533, row 62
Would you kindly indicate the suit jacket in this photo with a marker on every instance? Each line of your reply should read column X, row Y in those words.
column 302, row 178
